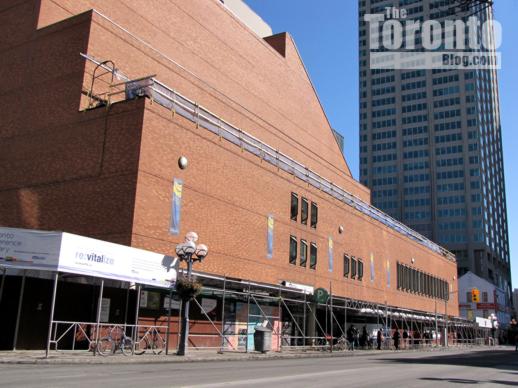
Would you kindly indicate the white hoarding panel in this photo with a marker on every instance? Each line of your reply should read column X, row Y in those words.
column 65, row 252
column 29, row 249
column 88, row 256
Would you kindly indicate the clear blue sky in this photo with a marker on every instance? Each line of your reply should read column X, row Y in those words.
column 327, row 37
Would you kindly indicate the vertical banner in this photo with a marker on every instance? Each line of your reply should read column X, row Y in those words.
column 372, row 267
column 176, row 206
column 330, row 252
column 388, row 273
column 269, row 238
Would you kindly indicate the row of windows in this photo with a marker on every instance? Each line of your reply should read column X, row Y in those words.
column 413, row 74
column 447, row 102
column 414, row 107
column 413, row 96
column 415, row 119
column 448, row 138
column 449, row 162
column 384, row 112
column 303, row 253
column 415, row 281
column 448, row 126
column 384, row 193
column 421, row 165
column 353, row 267
column 385, row 181
column 382, row 80
column 415, row 130
column 413, row 85
column 415, row 142
column 384, row 158
column 446, row 114
column 450, row 174
column 453, row 199
column 417, row 178
column 446, row 91
column 446, row 79
column 448, row 150
column 384, row 101
column 417, row 190
column 383, row 135
column 304, row 210
column 384, row 146
column 384, row 123
column 446, row 187
column 455, row 212
column 417, row 202
column 415, row 154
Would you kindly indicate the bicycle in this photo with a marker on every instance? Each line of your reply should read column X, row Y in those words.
column 150, row 340
column 115, row 340
column 342, row 344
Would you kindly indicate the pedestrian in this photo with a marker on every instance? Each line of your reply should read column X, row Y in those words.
column 350, row 336
column 364, row 337
column 396, row 339
column 405, row 338
column 379, row 338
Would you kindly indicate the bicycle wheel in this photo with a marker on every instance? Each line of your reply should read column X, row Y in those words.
column 126, row 346
column 105, row 346
column 141, row 346
column 158, row 345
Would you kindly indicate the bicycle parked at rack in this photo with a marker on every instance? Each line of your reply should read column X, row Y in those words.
column 114, row 341
column 342, row 344
column 150, row 340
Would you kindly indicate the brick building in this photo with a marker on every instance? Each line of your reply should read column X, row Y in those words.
column 79, row 154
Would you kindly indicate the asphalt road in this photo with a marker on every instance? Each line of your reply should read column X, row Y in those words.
column 427, row 369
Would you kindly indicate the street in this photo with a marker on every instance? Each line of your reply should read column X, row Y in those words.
column 387, row 369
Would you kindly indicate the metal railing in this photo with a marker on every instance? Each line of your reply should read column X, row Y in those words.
column 66, row 334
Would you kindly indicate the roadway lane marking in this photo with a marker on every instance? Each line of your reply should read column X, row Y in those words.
column 264, row 380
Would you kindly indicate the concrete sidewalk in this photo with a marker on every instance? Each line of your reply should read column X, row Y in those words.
column 85, row 357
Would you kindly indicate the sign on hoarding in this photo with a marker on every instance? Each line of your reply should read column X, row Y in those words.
column 65, row 252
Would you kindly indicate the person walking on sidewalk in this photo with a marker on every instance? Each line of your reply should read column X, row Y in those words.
column 396, row 339
column 379, row 338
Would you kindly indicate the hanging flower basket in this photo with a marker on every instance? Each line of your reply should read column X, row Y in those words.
column 188, row 289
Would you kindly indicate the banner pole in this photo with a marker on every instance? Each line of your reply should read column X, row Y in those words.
column 98, row 319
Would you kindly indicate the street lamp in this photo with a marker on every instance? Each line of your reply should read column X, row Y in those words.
column 189, row 252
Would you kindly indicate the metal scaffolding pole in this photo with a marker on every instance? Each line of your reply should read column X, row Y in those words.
column 223, row 315
column 51, row 319
column 19, row 311
column 98, row 317
column 331, row 334
column 4, row 272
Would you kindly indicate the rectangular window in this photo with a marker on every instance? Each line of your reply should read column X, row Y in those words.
column 313, row 256
column 294, row 206
column 484, row 297
column 346, row 266
column 303, row 252
column 304, row 211
column 353, row 268
column 314, row 215
column 293, row 250
column 360, row 270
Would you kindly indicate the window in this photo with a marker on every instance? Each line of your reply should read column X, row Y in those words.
column 303, row 252
column 353, row 268
column 313, row 256
column 484, row 297
column 304, row 211
column 346, row 266
column 293, row 250
column 294, row 206
column 360, row 270
column 314, row 215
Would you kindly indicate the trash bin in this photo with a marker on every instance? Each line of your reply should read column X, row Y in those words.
column 262, row 339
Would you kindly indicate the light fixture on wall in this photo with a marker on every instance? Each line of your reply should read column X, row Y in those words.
column 183, row 162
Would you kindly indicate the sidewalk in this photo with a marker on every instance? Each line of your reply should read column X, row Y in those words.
column 84, row 357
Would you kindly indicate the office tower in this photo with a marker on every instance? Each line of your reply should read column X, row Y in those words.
column 431, row 145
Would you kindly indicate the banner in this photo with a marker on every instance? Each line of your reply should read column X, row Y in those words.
column 176, row 208
column 65, row 252
column 330, row 252
column 372, row 267
column 269, row 237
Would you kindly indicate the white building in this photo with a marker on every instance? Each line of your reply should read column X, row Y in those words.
column 492, row 300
